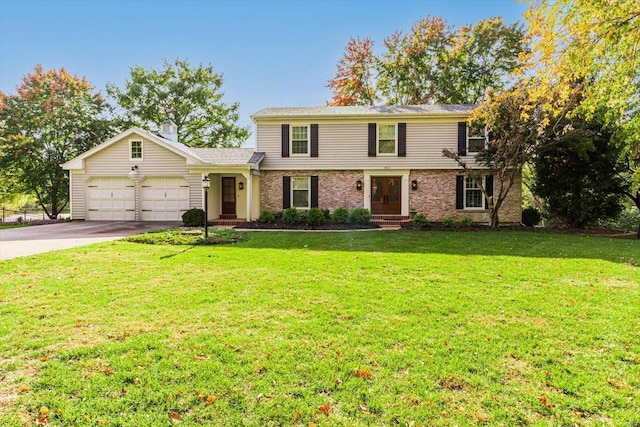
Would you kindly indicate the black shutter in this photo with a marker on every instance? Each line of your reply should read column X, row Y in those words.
column 285, row 140
column 314, row 140
column 462, row 138
column 488, row 185
column 314, row 191
column 459, row 192
column 372, row 139
column 286, row 192
column 402, row 140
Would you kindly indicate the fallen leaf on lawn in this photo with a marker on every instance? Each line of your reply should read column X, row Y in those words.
column 136, row 380
column 44, row 411
column 42, row 420
column 108, row 370
column 481, row 417
column 23, row 389
column 44, row 358
column 325, row 409
column 338, row 381
column 404, row 371
column 363, row 373
column 102, row 422
column 364, row 408
column 296, row 416
column 175, row 416
column 211, row 399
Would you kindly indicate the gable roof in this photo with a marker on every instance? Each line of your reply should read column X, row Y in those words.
column 176, row 147
column 365, row 111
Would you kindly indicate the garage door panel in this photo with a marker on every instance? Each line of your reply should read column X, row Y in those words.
column 164, row 198
column 110, row 199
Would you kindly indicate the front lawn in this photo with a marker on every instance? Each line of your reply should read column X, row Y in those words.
column 333, row 329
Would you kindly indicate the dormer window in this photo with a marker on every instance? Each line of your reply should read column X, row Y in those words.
column 477, row 138
column 135, row 149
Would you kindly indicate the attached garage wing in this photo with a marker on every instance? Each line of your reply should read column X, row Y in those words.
column 164, row 198
column 110, row 199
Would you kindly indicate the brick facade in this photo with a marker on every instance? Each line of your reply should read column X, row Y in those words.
column 435, row 196
column 336, row 189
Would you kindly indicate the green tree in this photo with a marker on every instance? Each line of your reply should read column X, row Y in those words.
column 579, row 173
column 189, row 96
column 53, row 117
column 431, row 64
column 596, row 43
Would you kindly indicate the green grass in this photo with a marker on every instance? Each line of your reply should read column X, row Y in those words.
column 4, row 227
column 189, row 237
column 336, row 329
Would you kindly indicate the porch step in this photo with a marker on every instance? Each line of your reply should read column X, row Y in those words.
column 227, row 216
column 390, row 221
column 227, row 222
column 389, row 217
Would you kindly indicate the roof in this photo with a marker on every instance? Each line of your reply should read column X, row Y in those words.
column 228, row 156
column 359, row 111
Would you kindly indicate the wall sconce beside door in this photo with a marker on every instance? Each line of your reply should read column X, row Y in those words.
column 414, row 185
column 241, row 185
column 359, row 185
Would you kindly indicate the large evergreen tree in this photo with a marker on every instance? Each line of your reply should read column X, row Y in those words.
column 579, row 174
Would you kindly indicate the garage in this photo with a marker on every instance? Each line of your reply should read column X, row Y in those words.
column 111, row 199
column 163, row 198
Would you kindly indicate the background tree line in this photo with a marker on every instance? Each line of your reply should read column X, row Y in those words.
column 559, row 99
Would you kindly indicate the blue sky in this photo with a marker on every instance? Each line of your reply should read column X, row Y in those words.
column 271, row 53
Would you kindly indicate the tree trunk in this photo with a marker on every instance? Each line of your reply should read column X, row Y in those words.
column 494, row 221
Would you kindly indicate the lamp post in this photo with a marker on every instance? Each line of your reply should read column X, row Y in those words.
column 206, row 183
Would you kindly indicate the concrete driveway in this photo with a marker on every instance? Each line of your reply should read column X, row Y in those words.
column 23, row 241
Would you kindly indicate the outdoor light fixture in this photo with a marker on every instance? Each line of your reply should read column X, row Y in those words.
column 359, row 185
column 414, row 185
column 134, row 172
column 241, row 186
column 206, row 183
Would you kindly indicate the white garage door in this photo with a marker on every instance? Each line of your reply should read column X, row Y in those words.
column 110, row 199
column 164, row 199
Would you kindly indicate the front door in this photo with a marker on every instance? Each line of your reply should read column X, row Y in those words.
column 228, row 196
column 385, row 195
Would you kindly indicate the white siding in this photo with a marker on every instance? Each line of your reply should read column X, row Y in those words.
column 114, row 160
column 78, row 187
column 345, row 146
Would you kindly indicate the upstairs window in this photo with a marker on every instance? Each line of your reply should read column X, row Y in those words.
column 300, row 140
column 477, row 139
column 135, row 152
column 387, row 139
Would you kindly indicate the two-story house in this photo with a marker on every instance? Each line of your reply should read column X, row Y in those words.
column 386, row 159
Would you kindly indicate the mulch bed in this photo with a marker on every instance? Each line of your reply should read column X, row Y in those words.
column 279, row 226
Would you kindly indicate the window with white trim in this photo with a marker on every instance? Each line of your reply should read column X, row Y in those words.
column 135, row 149
column 300, row 140
column 473, row 197
column 477, row 138
column 300, row 194
column 387, row 139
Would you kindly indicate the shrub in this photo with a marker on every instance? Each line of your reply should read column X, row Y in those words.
column 327, row 214
column 361, row 216
column 193, row 218
column 340, row 216
column 531, row 216
column 420, row 221
column 267, row 217
column 315, row 216
column 449, row 222
column 466, row 221
column 291, row 216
